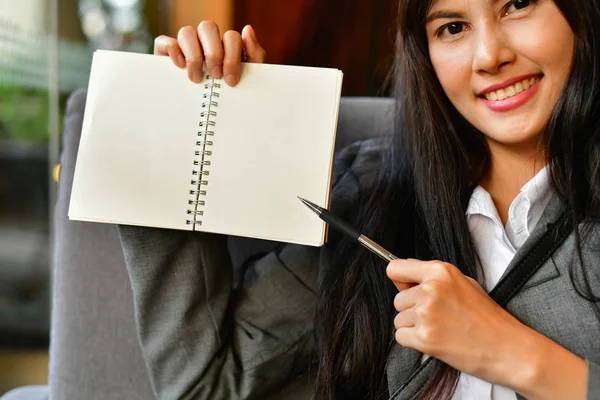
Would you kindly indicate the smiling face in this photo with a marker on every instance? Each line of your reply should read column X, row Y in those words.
column 503, row 65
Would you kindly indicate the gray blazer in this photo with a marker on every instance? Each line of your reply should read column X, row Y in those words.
column 201, row 339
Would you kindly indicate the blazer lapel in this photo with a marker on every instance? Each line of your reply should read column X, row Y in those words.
column 404, row 362
column 551, row 213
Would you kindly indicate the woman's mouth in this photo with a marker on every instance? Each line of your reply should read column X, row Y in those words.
column 512, row 90
column 512, row 96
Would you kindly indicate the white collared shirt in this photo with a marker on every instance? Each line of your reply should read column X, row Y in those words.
column 496, row 246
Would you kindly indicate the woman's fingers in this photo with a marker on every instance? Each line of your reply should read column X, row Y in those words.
column 254, row 51
column 406, row 299
column 223, row 57
column 168, row 46
column 232, row 42
column 405, row 319
column 188, row 42
column 210, row 38
column 403, row 285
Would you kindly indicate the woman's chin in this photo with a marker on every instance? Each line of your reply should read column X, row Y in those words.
column 514, row 137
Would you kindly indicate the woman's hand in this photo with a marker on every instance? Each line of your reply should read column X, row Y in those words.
column 444, row 314
column 223, row 57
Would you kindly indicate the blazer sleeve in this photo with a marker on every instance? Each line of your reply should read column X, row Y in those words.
column 593, row 381
column 200, row 338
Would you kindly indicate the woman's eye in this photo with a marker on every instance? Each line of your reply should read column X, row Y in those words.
column 517, row 5
column 451, row 29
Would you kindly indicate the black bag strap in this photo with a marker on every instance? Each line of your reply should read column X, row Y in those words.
column 552, row 239
column 508, row 286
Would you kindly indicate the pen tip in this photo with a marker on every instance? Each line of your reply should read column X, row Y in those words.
column 311, row 205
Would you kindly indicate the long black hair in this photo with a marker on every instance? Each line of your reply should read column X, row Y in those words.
column 417, row 206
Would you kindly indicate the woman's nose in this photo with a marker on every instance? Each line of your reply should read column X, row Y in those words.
column 490, row 50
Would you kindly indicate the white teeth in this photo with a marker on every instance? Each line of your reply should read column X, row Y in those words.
column 519, row 87
column 511, row 90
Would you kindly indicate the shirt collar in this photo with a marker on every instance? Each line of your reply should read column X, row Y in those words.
column 538, row 188
column 536, row 191
column 481, row 203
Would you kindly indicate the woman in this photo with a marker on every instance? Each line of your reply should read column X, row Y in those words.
column 498, row 108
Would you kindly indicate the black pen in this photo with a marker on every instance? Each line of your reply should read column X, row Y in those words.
column 344, row 227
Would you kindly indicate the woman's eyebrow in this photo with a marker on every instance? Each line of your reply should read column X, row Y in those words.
column 443, row 14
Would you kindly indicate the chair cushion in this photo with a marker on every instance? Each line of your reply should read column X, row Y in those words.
column 28, row 393
column 94, row 352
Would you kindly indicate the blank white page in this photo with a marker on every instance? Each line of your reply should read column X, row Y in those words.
column 274, row 140
column 136, row 154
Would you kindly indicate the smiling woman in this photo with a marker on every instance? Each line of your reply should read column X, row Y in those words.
column 498, row 129
column 497, row 138
column 500, row 65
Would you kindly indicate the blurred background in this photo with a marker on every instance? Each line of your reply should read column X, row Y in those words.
column 45, row 54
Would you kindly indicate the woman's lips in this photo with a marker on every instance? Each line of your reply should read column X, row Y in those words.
column 513, row 102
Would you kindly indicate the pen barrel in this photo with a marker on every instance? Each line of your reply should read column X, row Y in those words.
column 340, row 225
column 376, row 249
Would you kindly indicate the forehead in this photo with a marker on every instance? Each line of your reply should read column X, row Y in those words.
column 463, row 4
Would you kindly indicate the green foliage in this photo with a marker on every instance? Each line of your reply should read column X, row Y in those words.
column 24, row 114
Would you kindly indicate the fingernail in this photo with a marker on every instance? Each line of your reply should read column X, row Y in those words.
column 197, row 76
column 230, row 80
column 180, row 61
column 216, row 72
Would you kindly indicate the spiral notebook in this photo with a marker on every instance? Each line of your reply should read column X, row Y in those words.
column 159, row 150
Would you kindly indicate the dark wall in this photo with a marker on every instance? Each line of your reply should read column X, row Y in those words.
column 356, row 36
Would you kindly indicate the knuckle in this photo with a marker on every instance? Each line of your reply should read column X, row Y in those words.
column 193, row 60
column 207, row 25
column 434, row 291
column 184, row 31
column 163, row 41
column 425, row 310
column 397, row 301
column 214, row 55
column 440, row 266
column 230, row 65
column 426, row 334
column 430, row 287
column 397, row 321
column 232, row 35
column 445, row 269
column 399, row 338
column 193, row 63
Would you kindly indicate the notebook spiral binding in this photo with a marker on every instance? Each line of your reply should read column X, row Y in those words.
column 203, row 153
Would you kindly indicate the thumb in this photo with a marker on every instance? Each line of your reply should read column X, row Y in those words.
column 403, row 285
column 254, row 50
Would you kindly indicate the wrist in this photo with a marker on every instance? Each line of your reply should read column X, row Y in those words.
column 533, row 358
column 540, row 368
column 522, row 359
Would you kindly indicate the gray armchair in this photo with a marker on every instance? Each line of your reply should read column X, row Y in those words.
column 94, row 351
